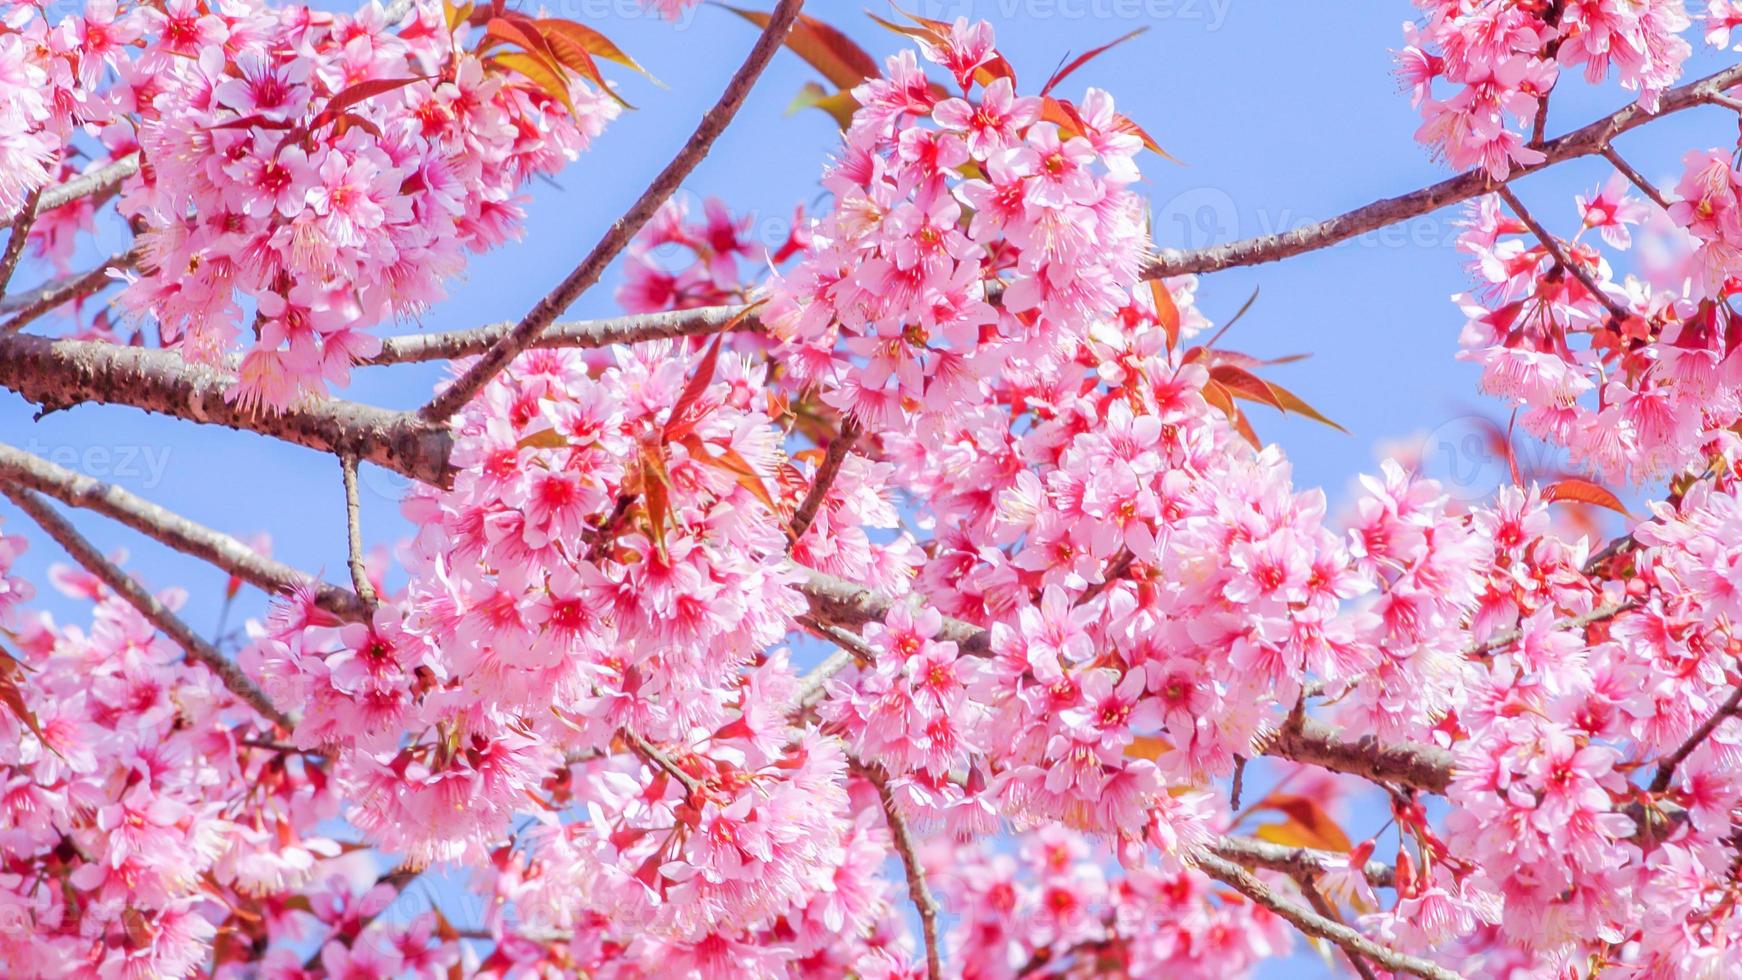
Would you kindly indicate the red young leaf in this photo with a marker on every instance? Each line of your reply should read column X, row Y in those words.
column 350, row 95
column 595, row 43
column 685, row 414
column 1585, row 492
column 1085, row 57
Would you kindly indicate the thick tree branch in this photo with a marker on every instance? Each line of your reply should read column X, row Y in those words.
column 1580, row 142
column 1314, row 924
column 1315, row 743
column 171, row 529
column 148, row 605
column 58, row 374
column 630, row 329
column 618, row 236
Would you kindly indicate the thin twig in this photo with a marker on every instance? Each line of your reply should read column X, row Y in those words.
column 1506, row 639
column 171, row 529
column 103, row 180
column 651, row 754
column 1553, row 245
column 624, row 229
column 1313, row 924
column 1584, row 141
column 32, row 305
column 1666, row 769
column 830, row 467
column 354, row 535
column 1324, row 909
column 1647, row 187
column 923, row 902
column 16, row 239
column 148, row 605
column 1296, row 862
column 631, row 329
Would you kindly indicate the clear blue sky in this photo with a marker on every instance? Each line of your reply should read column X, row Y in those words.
column 1281, row 113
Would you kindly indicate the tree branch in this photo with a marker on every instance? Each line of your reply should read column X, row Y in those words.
column 1296, row 862
column 102, row 180
column 1314, row 924
column 1559, row 254
column 1666, row 769
column 1308, row 740
column 32, row 305
column 923, row 901
column 1645, row 186
column 830, row 467
column 171, row 529
column 630, row 329
column 58, row 374
column 1584, row 141
column 16, row 238
column 713, row 123
column 148, row 605
column 354, row 535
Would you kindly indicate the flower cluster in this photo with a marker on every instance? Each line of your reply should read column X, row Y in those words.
column 305, row 175
column 1496, row 62
column 943, row 204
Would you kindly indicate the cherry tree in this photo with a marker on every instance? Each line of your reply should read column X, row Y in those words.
column 904, row 598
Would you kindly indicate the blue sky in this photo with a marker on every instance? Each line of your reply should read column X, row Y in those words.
column 1281, row 113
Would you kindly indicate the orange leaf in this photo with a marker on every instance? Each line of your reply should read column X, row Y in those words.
column 1244, row 384
column 1147, row 747
column 533, row 69
column 840, row 105
column 1166, row 311
column 594, row 43
column 1580, row 491
column 1308, row 825
column 822, row 47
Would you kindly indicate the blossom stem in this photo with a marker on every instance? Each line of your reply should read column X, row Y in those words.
column 147, row 604
column 354, row 535
column 654, row 757
column 1314, row 924
column 617, row 237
